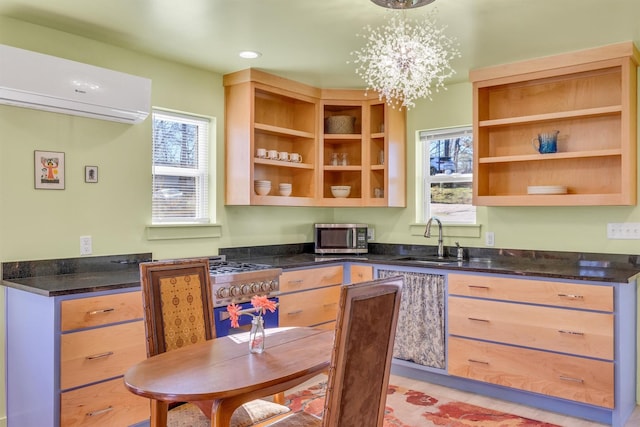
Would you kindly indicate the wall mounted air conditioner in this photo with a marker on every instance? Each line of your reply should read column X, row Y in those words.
column 44, row 82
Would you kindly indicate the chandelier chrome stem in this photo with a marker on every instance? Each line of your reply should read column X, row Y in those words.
column 402, row 4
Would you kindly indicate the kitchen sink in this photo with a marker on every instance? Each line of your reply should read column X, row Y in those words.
column 428, row 260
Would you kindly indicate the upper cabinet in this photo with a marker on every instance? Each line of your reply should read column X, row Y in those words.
column 284, row 132
column 587, row 98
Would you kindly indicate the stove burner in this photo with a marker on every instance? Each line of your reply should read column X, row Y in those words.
column 226, row 267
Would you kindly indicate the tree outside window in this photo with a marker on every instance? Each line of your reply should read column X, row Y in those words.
column 180, row 168
column 448, row 174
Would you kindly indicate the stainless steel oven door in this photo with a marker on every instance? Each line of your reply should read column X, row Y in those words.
column 223, row 323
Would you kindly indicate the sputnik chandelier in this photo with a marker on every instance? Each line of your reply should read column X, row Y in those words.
column 405, row 59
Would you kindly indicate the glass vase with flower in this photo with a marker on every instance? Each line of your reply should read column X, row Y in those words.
column 257, row 334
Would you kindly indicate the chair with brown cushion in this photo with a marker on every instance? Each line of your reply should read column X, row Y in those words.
column 361, row 360
column 178, row 311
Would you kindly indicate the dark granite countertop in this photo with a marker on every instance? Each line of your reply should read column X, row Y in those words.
column 52, row 278
column 614, row 268
column 68, row 276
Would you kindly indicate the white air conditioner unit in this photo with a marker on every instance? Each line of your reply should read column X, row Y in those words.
column 44, row 82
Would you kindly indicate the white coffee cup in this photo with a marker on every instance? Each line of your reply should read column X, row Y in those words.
column 377, row 192
column 272, row 154
column 261, row 153
column 295, row 157
column 284, row 156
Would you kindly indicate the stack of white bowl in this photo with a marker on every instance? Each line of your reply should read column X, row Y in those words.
column 262, row 187
column 285, row 189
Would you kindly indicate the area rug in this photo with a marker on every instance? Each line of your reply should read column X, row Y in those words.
column 411, row 408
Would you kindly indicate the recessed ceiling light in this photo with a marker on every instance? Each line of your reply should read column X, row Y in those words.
column 249, row 54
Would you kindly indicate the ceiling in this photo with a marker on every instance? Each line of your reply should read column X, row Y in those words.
column 310, row 40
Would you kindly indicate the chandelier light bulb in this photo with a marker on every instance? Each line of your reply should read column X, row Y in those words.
column 405, row 59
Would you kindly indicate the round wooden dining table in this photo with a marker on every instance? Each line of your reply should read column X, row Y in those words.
column 223, row 370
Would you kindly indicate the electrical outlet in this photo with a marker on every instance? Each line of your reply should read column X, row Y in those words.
column 85, row 245
column 489, row 238
column 623, row 230
column 371, row 233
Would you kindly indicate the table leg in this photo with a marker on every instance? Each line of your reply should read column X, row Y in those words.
column 221, row 413
column 159, row 412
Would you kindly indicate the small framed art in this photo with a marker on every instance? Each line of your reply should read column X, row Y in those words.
column 49, row 170
column 90, row 174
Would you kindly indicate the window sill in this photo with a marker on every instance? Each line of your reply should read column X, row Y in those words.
column 183, row 231
column 449, row 230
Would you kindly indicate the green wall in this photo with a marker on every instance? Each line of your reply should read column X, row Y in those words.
column 44, row 224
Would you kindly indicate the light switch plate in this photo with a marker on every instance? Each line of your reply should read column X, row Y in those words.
column 489, row 238
column 623, row 230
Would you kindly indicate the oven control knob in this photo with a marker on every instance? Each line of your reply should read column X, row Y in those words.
column 245, row 289
column 255, row 288
column 264, row 286
column 223, row 293
column 234, row 291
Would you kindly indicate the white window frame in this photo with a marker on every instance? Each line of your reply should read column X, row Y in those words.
column 203, row 174
column 424, row 178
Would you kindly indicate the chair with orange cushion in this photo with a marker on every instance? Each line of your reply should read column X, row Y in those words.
column 178, row 311
column 361, row 360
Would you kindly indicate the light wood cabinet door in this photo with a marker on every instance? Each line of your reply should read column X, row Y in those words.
column 106, row 404
column 97, row 354
column 309, row 308
column 361, row 273
column 582, row 333
column 582, row 380
column 101, row 310
column 586, row 297
column 300, row 280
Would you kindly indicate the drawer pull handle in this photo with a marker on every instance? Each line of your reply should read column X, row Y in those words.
column 99, row 356
column 331, row 304
column 475, row 319
column 296, row 282
column 571, row 296
column 291, row 313
column 570, row 332
column 104, row 310
column 479, row 287
column 572, row 379
column 482, row 362
column 100, row 411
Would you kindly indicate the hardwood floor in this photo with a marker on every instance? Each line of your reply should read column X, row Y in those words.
column 487, row 402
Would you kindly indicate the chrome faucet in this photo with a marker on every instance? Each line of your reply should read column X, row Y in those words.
column 427, row 233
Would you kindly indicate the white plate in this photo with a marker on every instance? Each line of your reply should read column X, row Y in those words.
column 546, row 189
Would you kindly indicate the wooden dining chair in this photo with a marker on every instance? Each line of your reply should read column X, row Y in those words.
column 361, row 359
column 178, row 311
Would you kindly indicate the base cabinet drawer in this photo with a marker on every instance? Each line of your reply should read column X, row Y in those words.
column 96, row 354
column 300, row 280
column 582, row 333
column 309, row 308
column 570, row 295
column 101, row 310
column 106, row 404
column 575, row 378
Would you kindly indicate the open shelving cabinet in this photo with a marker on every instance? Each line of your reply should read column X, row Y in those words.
column 272, row 113
column 589, row 97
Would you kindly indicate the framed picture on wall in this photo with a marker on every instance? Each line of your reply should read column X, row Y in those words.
column 49, row 170
column 90, row 174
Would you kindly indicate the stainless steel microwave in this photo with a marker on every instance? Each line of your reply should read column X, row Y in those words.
column 341, row 239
